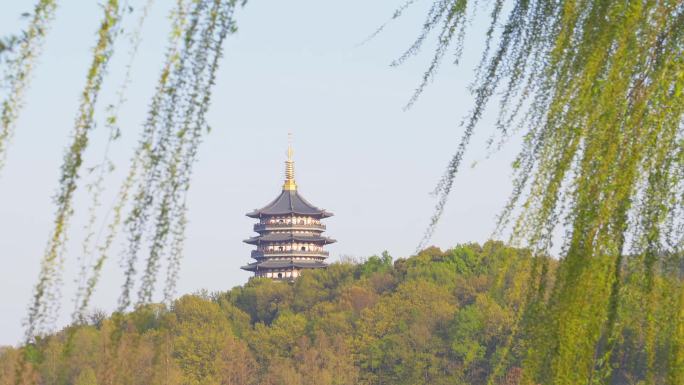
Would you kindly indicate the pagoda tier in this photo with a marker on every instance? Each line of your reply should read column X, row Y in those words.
column 283, row 265
column 289, row 203
column 288, row 238
column 290, row 234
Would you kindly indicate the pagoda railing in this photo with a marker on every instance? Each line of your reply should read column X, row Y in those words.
column 279, row 226
column 288, row 253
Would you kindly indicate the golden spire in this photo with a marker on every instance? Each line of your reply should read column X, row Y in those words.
column 290, row 184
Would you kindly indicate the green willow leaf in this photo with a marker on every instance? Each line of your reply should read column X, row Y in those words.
column 20, row 70
column 46, row 293
column 172, row 134
column 90, row 270
column 595, row 89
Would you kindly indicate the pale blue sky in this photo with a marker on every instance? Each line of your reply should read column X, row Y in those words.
column 293, row 66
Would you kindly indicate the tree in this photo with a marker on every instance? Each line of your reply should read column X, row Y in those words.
column 597, row 90
column 14, row 368
column 398, row 338
column 235, row 363
column 196, row 348
column 416, row 331
column 86, row 377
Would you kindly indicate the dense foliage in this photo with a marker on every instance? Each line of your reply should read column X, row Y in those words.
column 435, row 318
column 596, row 89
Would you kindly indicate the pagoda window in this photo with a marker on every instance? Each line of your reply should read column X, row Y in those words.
column 303, row 248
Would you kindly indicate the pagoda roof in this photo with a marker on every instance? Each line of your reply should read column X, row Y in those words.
column 284, row 264
column 290, row 236
column 289, row 202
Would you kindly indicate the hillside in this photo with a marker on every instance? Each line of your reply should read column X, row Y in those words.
column 435, row 318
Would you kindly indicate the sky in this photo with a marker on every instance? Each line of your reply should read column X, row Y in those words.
column 299, row 66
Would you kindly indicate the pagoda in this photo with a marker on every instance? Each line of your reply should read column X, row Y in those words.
column 290, row 233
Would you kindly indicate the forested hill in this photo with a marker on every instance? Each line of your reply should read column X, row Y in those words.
column 435, row 318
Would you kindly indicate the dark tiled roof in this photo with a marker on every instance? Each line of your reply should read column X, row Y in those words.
column 289, row 202
column 281, row 237
column 284, row 264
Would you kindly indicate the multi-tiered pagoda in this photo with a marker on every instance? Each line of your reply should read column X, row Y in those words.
column 290, row 233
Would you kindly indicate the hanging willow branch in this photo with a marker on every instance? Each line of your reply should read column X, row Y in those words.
column 21, row 69
column 90, row 270
column 598, row 89
column 168, row 148
column 143, row 160
column 163, row 160
column 46, row 293
column 190, row 135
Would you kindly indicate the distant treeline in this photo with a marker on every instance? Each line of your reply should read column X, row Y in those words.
column 452, row 317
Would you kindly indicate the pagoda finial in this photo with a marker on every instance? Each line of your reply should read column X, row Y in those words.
column 290, row 184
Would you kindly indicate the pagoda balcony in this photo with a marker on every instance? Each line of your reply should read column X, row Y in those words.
column 295, row 226
column 258, row 254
